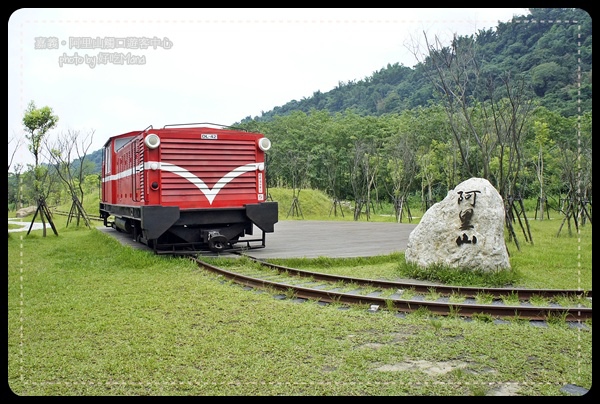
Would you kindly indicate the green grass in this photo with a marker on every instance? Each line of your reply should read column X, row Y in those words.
column 552, row 261
column 315, row 205
column 87, row 316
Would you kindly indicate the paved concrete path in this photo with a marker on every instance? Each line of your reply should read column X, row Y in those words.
column 312, row 239
column 25, row 223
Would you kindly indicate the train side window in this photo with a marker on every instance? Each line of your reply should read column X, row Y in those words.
column 107, row 159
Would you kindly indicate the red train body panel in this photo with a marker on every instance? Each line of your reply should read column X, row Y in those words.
column 186, row 188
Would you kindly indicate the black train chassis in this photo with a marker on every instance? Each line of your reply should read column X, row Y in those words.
column 167, row 228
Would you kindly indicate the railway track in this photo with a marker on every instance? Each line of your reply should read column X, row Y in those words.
column 64, row 213
column 567, row 304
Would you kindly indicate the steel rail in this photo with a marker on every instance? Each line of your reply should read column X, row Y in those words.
column 528, row 312
column 467, row 291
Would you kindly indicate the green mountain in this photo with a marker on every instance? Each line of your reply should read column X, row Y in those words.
column 550, row 47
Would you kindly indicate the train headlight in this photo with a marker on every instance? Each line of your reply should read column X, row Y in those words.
column 264, row 144
column 152, row 141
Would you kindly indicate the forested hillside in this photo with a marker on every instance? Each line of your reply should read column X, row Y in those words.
column 550, row 46
column 512, row 105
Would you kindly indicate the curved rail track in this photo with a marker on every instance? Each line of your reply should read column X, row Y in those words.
column 441, row 300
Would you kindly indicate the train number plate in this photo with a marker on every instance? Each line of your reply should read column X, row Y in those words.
column 209, row 136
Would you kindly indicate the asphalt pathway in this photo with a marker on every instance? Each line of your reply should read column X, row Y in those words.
column 313, row 239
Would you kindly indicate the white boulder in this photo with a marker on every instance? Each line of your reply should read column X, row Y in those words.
column 464, row 230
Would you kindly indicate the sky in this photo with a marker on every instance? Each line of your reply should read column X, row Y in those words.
column 108, row 71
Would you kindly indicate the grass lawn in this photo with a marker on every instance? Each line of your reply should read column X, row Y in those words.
column 87, row 316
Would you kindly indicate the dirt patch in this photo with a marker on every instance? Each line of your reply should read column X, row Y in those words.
column 508, row 389
column 372, row 345
column 431, row 368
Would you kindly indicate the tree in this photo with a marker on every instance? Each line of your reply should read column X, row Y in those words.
column 433, row 164
column 38, row 122
column 487, row 109
column 72, row 177
column 13, row 186
column 548, row 77
column 15, row 196
column 18, row 141
column 401, row 170
column 542, row 141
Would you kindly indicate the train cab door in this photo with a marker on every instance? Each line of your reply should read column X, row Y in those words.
column 107, row 184
column 137, row 153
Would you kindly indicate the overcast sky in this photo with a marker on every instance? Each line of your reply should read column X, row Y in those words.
column 113, row 71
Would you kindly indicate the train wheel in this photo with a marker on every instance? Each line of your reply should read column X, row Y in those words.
column 217, row 243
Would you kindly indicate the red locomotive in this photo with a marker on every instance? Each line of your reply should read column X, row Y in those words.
column 186, row 188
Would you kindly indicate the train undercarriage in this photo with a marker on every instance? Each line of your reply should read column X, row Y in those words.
column 169, row 230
